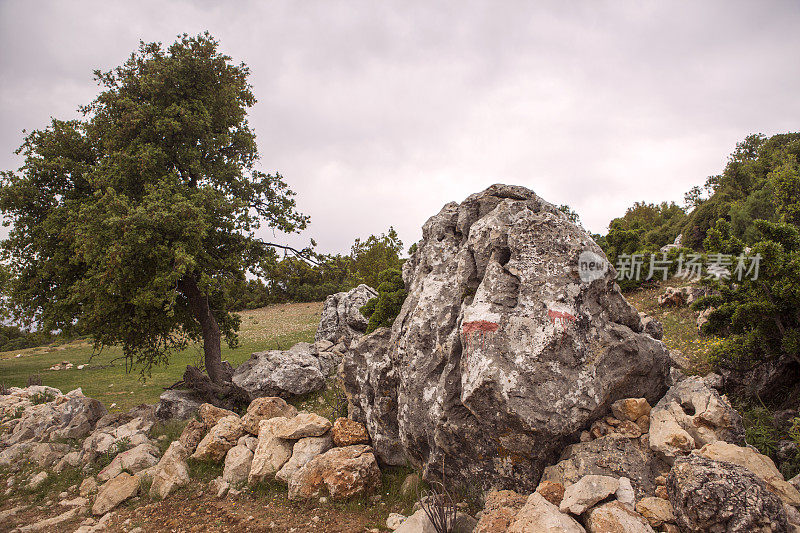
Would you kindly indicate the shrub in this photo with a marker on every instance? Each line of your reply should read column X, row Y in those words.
column 382, row 311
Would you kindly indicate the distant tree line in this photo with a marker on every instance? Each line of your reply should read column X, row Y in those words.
column 314, row 276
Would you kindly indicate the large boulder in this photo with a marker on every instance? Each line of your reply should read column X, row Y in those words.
column 341, row 319
column 690, row 416
column 177, row 404
column 712, row 495
column 501, row 352
column 282, row 373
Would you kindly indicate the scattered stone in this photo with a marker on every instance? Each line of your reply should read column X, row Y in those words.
column 542, row 516
column 271, row 452
column 88, row 486
column 655, row 510
column 171, row 472
column 395, row 520
column 303, row 451
column 177, row 404
column 49, row 524
column 283, row 373
column 690, row 416
column 630, row 409
column 341, row 316
column 616, row 517
column 586, row 492
column 132, row 461
column 221, row 438
column 625, row 493
column 37, row 480
column 192, row 435
column 219, row 486
column 237, row 465
column 75, row 502
column 264, row 409
column 613, row 456
column 303, row 425
column 501, row 509
column 344, row 472
column 552, row 491
column 420, row 523
column 114, row 492
column 758, row 464
column 347, row 432
column 211, row 414
column 709, row 495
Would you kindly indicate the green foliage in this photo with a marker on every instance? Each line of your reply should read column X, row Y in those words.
column 572, row 215
column 382, row 311
column 761, row 181
column 119, row 218
column 373, row 256
column 14, row 338
column 760, row 318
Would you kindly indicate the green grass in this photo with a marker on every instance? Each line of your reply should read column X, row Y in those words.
column 273, row 327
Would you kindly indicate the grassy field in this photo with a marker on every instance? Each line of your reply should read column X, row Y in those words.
column 680, row 325
column 273, row 327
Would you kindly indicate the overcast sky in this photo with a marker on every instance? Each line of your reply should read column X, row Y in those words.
column 378, row 113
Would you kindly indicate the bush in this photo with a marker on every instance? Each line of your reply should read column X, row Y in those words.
column 382, row 311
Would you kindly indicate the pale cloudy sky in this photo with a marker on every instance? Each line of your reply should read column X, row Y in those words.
column 378, row 113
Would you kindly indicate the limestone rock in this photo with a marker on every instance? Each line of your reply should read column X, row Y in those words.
column 87, row 487
column 625, row 493
column 177, row 404
column 219, row 439
column 37, row 480
column 114, row 492
column 303, row 425
column 630, row 409
column 264, row 409
column 586, row 492
column 611, row 455
column 192, row 434
column 652, row 327
column 616, row 517
column 211, row 414
column 709, row 495
column 343, row 472
column 171, row 472
column 690, row 416
column 420, row 523
column 395, row 520
column 500, row 353
column 552, row 491
column 542, row 516
column 271, row 452
column 347, row 432
column 341, row 319
column 303, row 451
column 655, row 510
column 758, row 464
column 501, row 509
column 132, row 461
column 47, row 454
column 237, row 465
column 283, row 373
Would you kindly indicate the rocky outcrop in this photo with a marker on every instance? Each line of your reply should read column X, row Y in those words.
column 710, row 495
column 501, row 354
column 283, row 373
column 341, row 319
column 690, row 416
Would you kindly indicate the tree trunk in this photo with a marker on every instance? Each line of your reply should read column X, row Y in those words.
column 212, row 338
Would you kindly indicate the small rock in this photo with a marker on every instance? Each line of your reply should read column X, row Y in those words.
column 411, row 483
column 303, row 425
column 616, row 517
column 237, row 465
column 551, row 491
column 37, row 480
column 395, row 520
column 88, row 486
column 655, row 510
column 264, row 409
column 114, row 492
column 625, row 492
column 221, row 438
column 586, row 492
column 347, row 432
column 630, row 409
column 540, row 515
column 211, row 414
column 192, row 434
